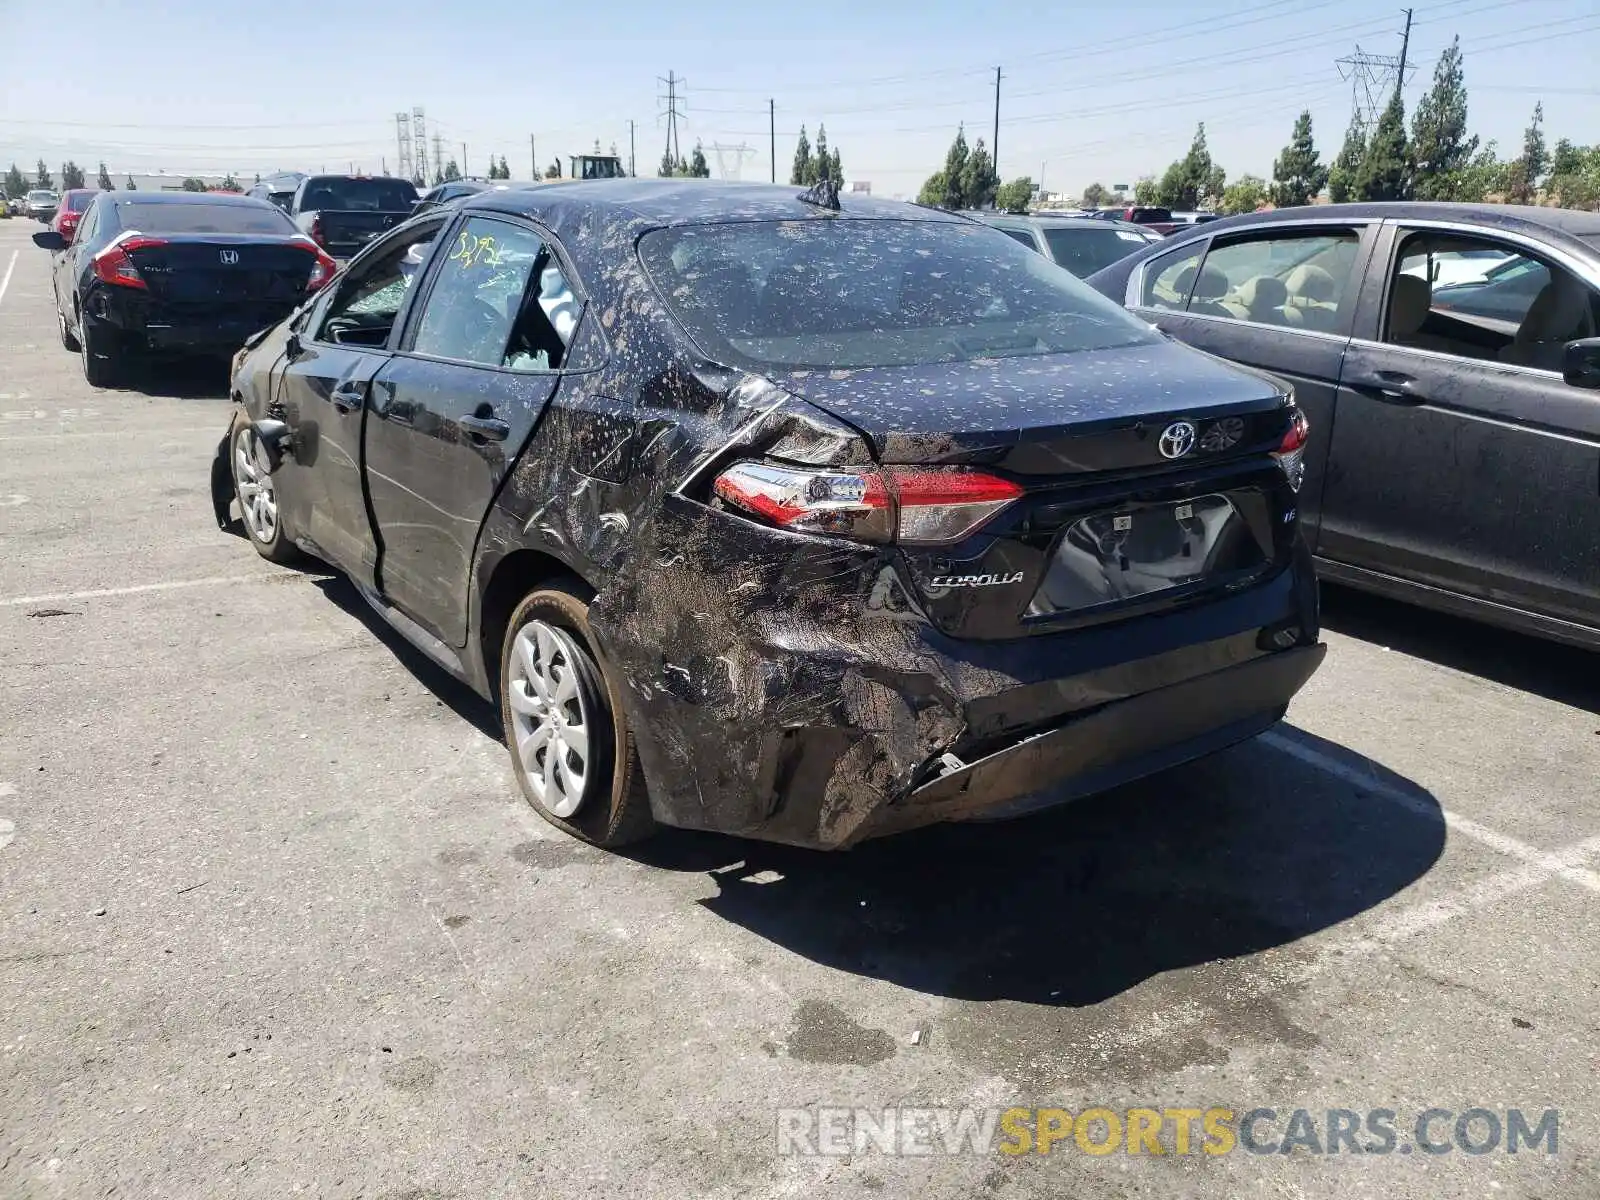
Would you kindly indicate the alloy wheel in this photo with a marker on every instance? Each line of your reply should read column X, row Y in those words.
column 258, row 500
column 551, row 716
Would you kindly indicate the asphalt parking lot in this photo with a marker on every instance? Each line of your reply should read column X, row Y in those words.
column 277, row 922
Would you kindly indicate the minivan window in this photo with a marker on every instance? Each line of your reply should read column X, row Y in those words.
column 875, row 293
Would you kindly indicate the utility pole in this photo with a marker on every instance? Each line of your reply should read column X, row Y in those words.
column 438, row 156
column 419, row 144
column 533, row 157
column 632, row 171
column 674, row 151
column 1405, row 48
column 772, row 134
column 994, row 150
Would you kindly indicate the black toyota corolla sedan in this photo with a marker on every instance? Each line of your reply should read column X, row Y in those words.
column 177, row 271
column 796, row 517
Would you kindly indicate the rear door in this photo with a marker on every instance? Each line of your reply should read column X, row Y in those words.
column 479, row 361
column 1280, row 298
column 1461, row 459
column 324, row 392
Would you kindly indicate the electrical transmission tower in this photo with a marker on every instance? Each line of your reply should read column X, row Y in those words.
column 730, row 159
column 671, row 113
column 1374, row 78
column 419, row 144
column 404, row 167
column 438, row 155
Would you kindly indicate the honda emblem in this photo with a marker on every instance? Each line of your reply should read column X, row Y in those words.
column 229, row 258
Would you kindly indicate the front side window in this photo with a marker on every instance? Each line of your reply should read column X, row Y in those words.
column 500, row 299
column 369, row 300
column 1169, row 278
column 1478, row 298
column 1299, row 280
column 871, row 293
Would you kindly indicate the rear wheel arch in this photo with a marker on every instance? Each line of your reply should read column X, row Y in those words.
column 511, row 579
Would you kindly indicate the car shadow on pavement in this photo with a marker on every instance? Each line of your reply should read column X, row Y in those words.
column 178, row 378
column 450, row 691
column 1249, row 850
column 1565, row 674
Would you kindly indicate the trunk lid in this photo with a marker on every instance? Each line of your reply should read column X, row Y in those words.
column 1112, row 523
column 233, row 276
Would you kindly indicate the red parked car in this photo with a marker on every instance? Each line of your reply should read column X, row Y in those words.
column 74, row 203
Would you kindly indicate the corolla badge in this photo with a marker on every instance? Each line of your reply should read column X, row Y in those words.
column 975, row 581
column 1176, row 440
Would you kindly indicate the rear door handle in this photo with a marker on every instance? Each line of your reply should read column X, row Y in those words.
column 1392, row 387
column 349, row 396
column 489, row 428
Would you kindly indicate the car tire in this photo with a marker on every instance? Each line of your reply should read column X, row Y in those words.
column 257, row 494
column 553, row 687
column 68, row 338
column 102, row 355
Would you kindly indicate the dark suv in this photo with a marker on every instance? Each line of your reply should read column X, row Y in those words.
column 781, row 516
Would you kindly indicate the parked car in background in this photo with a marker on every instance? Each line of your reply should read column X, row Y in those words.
column 279, row 188
column 74, row 203
column 179, row 271
column 342, row 213
column 635, row 459
column 1455, row 442
column 1159, row 220
column 1080, row 244
column 41, row 204
column 445, row 193
column 5, row 206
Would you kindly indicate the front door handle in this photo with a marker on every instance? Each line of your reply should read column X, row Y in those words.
column 491, row 429
column 349, row 395
column 1392, row 387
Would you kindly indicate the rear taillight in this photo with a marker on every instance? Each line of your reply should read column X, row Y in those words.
column 926, row 506
column 316, row 231
column 1291, row 452
column 324, row 269
column 112, row 265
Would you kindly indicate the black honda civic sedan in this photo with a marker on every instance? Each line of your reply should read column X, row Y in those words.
column 778, row 514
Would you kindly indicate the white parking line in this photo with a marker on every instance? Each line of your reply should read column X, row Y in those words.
column 171, row 585
column 10, row 267
column 1368, row 781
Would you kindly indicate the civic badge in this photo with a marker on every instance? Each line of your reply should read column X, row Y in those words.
column 1176, row 440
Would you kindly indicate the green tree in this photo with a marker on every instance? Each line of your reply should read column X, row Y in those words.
column 836, row 168
column 1118, row 199
column 1522, row 181
column 1298, row 175
column 953, row 195
column 1244, row 195
column 1342, row 174
column 131, row 185
column 451, row 171
column 1386, row 170
column 1568, row 159
column 933, row 190
column 42, row 176
column 978, row 179
column 1094, row 195
column 1575, row 175
column 803, row 172
column 193, row 184
column 106, row 185
column 16, row 183
column 229, row 183
column 505, row 168
column 1145, row 190
column 698, row 167
column 1193, row 180
column 553, row 171
column 71, row 175
column 1440, row 147
column 821, row 160
column 1483, row 177
column 1014, row 196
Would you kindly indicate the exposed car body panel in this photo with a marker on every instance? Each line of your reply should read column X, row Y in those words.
column 786, row 685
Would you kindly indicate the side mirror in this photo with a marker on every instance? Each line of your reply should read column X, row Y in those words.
column 291, row 345
column 49, row 239
column 1580, row 365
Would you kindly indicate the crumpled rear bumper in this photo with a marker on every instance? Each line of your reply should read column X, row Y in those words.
column 780, row 687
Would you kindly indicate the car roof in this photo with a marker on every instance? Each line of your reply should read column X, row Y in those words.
column 1052, row 220
column 1504, row 216
column 233, row 198
column 664, row 202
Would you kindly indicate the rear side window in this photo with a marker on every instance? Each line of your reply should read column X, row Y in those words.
column 1297, row 280
column 202, row 218
column 1083, row 250
column 336, row 193
column 1021, row 235
column 857, row 293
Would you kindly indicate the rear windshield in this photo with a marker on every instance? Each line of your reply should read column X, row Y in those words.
column 41, row 195
column 783, row 294
column 1085, row 249
column 79, row 201
column 202, row 218
column 335, row 192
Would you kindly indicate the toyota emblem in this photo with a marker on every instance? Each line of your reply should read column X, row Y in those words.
column 1176, row 440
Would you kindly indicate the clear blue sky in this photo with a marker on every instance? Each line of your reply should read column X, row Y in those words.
column 1099, row 91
